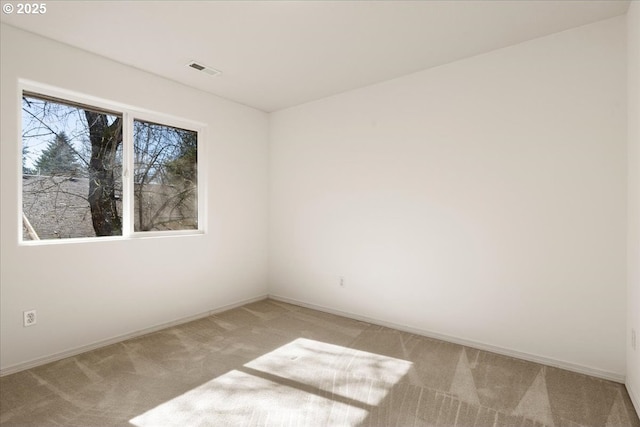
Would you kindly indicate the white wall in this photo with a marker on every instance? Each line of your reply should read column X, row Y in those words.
column 483, row 200
column 89, row 292
column 633, row 240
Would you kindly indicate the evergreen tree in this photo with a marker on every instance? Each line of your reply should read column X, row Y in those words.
column 59, row 158
column 182, row 170
column 25, row 169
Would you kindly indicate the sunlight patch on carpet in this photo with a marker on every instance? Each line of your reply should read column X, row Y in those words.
column 304, row 382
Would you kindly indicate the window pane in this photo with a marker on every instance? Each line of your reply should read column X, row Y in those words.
column 165, row 177
column 71, row 170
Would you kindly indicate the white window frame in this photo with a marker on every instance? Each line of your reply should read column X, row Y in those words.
column 129, row 114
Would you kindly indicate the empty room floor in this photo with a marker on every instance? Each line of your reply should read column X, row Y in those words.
column 274, row 364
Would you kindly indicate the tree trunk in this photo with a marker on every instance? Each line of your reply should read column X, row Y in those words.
column 105, row 140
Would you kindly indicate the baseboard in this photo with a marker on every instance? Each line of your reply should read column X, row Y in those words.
column 634, row 399
column 114, row 340
column 449, row 338
column 594, row 372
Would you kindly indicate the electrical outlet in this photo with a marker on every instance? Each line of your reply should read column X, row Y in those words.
column 633, row 339
column 29, row 318
column 341, row 278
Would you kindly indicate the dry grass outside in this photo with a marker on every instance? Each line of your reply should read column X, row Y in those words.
column 57, row 207
column 165, row 207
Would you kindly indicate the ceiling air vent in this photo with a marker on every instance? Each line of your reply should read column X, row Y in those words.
column 203, row 68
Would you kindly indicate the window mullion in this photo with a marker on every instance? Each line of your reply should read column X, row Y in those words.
column 128, row 174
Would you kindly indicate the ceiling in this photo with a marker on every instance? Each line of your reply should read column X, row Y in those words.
column 277, row 54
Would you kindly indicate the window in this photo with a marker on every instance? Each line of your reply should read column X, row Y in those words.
column 165, row 177
column 89, row 171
